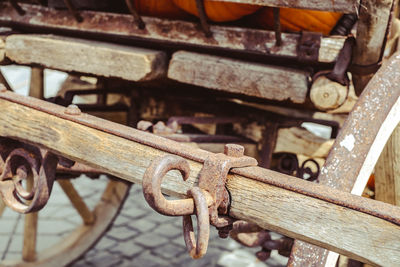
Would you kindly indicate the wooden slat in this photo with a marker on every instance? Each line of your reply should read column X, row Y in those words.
column 387, row 171
column 90, row 57
column 344, row 6
column 161, row 32
column 280, row 210
column 241, row 77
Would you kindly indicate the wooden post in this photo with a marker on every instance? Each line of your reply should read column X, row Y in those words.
column 373, row 23
column 36, row 88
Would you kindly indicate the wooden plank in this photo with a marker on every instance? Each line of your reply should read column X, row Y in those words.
column 344, row 6
column 161, row 32
column 387, row 171
column 89, row 57
column 300, row 141
column 36, row 88
column 274, row 208
column 372, row 26
column 241, row 77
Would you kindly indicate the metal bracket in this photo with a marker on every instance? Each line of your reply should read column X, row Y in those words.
column 210, row 197
column 308, row 47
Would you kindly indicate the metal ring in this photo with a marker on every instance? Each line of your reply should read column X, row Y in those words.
column 152, row 186
column 198, row 248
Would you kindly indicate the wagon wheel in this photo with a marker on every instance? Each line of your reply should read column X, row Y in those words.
column 69, row 248
column 357, row 148
column 94, row 222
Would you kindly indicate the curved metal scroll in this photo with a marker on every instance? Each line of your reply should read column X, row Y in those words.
column 357, row 148
column 21, row 163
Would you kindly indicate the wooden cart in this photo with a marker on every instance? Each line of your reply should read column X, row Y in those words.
column 207, row 86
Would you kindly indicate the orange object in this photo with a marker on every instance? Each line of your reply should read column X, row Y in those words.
column 218, row 11
column 371, row 182
column 294, row 20
column 160, row 8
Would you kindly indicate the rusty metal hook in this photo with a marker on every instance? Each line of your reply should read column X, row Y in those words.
column 152, row 186
column 197, row 249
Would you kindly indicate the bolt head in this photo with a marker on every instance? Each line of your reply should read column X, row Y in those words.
column 72, row 110
column 234, row 150
column 3, row 88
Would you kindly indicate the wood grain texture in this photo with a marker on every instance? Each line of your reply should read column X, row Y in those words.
column 344, row 6
column 367, row 238
column 373, row 22
column 36, row 88
column 387, row 171
column 176, row 34
column 326, row 94
column 241, row 77
column 300, row 141
column 90, row 57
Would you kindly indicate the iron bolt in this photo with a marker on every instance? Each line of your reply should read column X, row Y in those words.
column 3, row 88
column 72, row 110
column 233, row 150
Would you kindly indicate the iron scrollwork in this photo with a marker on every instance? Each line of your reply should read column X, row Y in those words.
column 27, row 176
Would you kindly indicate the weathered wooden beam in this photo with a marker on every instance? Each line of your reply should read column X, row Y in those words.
column 372, row 28
column 344, row 6
column 161, row 32
column 271, row 207
column 89, row 57
column 241, row 77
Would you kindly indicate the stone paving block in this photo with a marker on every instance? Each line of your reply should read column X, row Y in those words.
column 169, row 251
column 105, row 243
column 168, row 230
column 142, row 225
column 122, row 221
column 4, row 239
column 146, row 259
column 121, row 234
column 150, row 241
column 127, row 249
column 160, row 219
column 46, row 241
column 106, row 260
column 16, row 244
column 133, row 211
column 7, row 225
column 12, row 256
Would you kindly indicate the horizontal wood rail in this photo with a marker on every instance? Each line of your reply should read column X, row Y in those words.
column 344, row 230
column 344, row 6
column 161, row 33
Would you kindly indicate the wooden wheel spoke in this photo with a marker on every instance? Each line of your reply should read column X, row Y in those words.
column 2, row 207
column 30, row 232
column 77, row 201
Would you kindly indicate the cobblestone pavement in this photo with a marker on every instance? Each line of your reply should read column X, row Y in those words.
column 138, row 237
